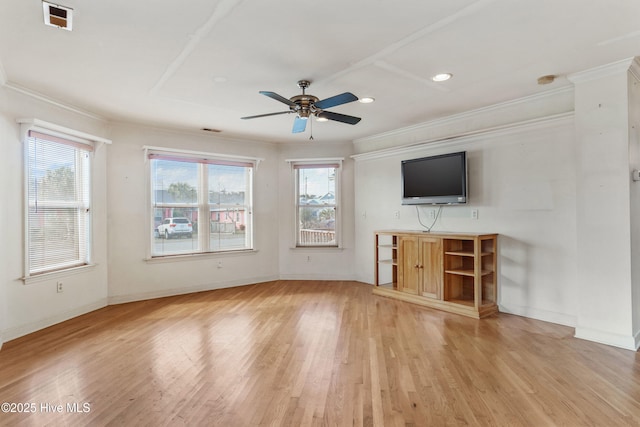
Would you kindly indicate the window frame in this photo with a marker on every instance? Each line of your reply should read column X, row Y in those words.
column 89, row 144
column 203, row 205
column 321, row 163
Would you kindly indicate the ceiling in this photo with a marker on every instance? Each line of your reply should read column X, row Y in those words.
column 200, row 64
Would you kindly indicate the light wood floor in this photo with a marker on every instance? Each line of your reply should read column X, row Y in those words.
column 292, row 353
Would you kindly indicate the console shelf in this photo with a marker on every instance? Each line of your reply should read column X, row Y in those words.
column 455, row 272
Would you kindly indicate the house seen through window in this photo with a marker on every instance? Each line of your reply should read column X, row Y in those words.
column 317, row 222
column 200, row 205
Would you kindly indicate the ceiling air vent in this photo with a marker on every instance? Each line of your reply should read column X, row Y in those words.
column 57, row 16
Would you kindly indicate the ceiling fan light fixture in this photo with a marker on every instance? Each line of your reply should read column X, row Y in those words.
column 321, row 119
column 442, row 77
column 366, row 100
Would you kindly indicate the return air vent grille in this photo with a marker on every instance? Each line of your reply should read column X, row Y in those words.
column 57, row 16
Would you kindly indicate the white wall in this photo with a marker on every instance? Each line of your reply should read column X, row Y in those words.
column 316, row 263
column 131, row 275
column 634, row 163
column 25, row 308
column 522, row 181
column 603, row 209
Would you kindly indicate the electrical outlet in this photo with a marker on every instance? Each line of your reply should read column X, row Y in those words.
column 474, row 213
column 59, row 287
column 219, row 264
column 432, row 214
column 308, row 258
column 396, row 214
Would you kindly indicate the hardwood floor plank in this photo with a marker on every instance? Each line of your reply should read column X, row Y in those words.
column 312, row 353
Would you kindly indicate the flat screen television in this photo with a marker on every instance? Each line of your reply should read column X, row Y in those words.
column 435, row 180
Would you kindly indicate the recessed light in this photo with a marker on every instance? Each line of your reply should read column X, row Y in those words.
column 220, row 79
column 442, row 77
column 367, row 100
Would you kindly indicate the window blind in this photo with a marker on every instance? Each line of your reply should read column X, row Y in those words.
column 58, row 203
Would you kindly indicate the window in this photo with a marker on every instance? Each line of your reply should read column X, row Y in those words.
column 200, row 204
column 317, row 201
column 58, row 211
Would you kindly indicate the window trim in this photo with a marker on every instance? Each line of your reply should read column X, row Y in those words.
column 296, row 164
column 202, row 157
column 62, row 135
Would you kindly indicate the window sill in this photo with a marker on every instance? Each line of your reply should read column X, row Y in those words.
column 197, row 256
column 317, row 248
column 57, row 274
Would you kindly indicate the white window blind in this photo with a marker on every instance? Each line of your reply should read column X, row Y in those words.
column 58, row 210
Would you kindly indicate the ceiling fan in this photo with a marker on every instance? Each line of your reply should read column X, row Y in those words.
column 307, row 105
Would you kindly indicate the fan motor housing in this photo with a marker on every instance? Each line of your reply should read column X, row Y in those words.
column 305, row 105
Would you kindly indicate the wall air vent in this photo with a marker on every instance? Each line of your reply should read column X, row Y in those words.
column 57, row 16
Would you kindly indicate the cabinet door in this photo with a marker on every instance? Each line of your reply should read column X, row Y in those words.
column 409, row 265
column 430, row 267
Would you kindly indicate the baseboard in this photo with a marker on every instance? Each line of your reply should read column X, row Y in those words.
column 544, row 315
column 22, row 330
column 122, row 299
column 627, row 342
column 327, row 277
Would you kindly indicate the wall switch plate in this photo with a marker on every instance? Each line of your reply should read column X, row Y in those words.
column 474, row 213
column 59, row 287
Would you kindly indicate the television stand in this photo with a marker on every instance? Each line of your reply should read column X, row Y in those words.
column 454, row 272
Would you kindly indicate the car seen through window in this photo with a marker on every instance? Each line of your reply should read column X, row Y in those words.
column 175, row 228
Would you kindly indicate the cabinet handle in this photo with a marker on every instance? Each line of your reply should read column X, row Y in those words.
column 421, row 266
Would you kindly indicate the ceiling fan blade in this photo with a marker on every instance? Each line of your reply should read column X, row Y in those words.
column 266, row 115
column 343, row 98
column 299, row 125
column 277, row 97
column 339, row 117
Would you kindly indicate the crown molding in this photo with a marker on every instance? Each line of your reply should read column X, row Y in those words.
column 464, row 138
column 44, row 98
column 456, row 118
column 635, row 68
column 602, row 71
